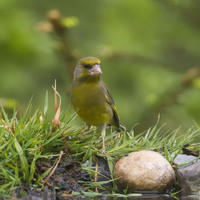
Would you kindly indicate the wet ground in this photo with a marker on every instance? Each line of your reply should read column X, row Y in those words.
column 66, row 179
column 60, row 185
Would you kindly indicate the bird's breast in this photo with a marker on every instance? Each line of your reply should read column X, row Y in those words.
column 90, row 103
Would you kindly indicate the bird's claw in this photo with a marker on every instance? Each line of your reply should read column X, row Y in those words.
column 103, row 151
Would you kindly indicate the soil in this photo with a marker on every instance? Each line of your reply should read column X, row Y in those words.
column 60, row 185
column 67, row 177
column 64, row 180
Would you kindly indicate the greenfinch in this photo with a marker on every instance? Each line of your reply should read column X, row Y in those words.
column 91, row 99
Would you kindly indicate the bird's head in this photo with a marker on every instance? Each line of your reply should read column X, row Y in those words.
column 88, row 68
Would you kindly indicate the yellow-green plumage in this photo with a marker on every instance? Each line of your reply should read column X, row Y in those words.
column 90, row 97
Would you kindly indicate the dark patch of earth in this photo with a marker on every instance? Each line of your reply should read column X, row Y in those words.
column 64, row 180
column 60, row 185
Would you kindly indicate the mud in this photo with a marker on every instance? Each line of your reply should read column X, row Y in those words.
column 60, row 185
column 66, row 179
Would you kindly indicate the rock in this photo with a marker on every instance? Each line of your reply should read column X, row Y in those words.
column 184, row 159
column 143, row 171
column 189, row 175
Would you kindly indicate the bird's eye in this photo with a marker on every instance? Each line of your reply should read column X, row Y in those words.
column 86, row 66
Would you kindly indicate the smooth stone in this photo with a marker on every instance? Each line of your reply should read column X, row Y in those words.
column 143, row 171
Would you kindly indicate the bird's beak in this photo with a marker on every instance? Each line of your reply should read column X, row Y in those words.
column 96, row 70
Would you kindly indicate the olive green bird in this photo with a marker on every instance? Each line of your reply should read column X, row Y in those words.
column 91, row 98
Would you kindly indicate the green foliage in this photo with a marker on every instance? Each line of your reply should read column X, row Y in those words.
column 114, row 195
column 26, row 139
column 145, row 47
column 23, row 60
column 70, row 22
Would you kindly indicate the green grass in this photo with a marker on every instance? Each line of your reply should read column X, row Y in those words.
column 26, row 139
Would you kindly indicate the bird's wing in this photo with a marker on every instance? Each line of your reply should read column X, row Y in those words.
column 110, row 101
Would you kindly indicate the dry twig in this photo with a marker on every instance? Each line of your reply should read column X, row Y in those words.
column 53, row 170
column 96, row 175
column 56, row 121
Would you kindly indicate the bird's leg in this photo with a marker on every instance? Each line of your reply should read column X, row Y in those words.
column 87, row 128
column 103, row 132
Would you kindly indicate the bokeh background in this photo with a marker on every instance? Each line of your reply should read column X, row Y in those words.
column 150, row 53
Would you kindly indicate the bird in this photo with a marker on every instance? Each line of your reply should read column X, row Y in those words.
column 91, row 98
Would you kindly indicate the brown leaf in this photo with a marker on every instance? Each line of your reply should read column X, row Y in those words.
column 56, row 122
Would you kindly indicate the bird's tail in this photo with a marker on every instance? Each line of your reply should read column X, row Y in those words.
column 121, row 127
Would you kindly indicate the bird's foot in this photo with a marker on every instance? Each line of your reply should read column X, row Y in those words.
column 103, row 151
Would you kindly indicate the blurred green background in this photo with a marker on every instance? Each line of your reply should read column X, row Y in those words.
column 150, row 53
